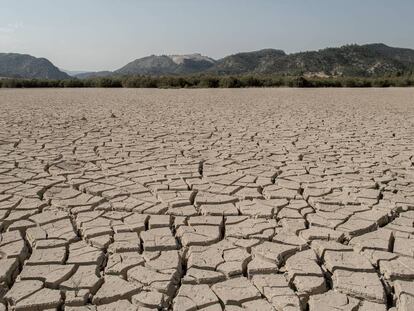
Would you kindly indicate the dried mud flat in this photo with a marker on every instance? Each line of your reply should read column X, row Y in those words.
column 273, row 199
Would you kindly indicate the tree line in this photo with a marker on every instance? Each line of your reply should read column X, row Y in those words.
column 210, row 81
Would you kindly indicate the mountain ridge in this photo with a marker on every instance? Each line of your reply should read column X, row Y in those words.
column 167, row 64
column 14, row 65
column 374, row 59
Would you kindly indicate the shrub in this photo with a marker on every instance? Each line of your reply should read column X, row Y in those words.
column 211, row 81
column 381, row 83
column 299, row 82
column 250, row 81
column 72, row 83
column 230, row 82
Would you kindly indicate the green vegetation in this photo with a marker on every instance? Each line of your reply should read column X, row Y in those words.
column 28, row 67
column 212, row 81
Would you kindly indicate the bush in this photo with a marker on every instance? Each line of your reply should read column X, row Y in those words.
column 106, row 82
column 381, row 83
column 250, row 81
column 404, row 82
column 356, row 82
column 72, row 83
column 299, row 82
column 230, row 82
column 211, row 81
column 274, row 82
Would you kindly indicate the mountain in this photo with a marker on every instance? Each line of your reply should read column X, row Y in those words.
column 167, row 64
column 15, row 65
column 246, row 62
column 375, row 59
column 348, row 60
column 405, row 56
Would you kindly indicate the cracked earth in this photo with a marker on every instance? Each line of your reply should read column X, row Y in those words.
column 273, row 199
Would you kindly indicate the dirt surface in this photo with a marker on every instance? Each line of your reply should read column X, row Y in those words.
column 253, row 199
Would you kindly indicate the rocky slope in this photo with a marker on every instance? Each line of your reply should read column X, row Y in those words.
column 15, row 65
column 349, row 60
column 172, row 64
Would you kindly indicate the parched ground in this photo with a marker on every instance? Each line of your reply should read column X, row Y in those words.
column 254, row 199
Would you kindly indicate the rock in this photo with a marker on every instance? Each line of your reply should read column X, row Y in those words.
column 83, row 254
column 332, row 301
column 318, row 233
column 243, row 228
column 194, row 297
column 397, row 268
column 226, row 209
column 41, row 300
column 48, row 256
column 362, row 285
column 349, row 261
column 379, row 240
column 8, row 270
column 404, row 291
column 261, row 266
column 113, row 289
column 52, row 274
column 119, row 264
column 198, row 235
column 235, row 291
column 368, row 306
column 153, row 280
column 276, row 290
column 152, row 299
column 123, row 305
column 201, row 276
column 158, row 239
column 22, row 289
column 85, row 277
column 274, row 252
column 305, row 273
column 76, row 297
column 159, row 221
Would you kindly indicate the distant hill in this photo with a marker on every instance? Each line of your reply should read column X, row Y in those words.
column 15, row 65
column 405, row 56
column 246, row 62
column 171, row 64
column 369, row 60
column 350, row 60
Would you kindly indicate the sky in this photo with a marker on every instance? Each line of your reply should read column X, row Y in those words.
column 95, row 35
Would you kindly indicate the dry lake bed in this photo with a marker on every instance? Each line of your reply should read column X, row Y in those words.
column 252, row 199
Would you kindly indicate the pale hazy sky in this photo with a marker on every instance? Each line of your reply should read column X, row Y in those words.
column 106, row 34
